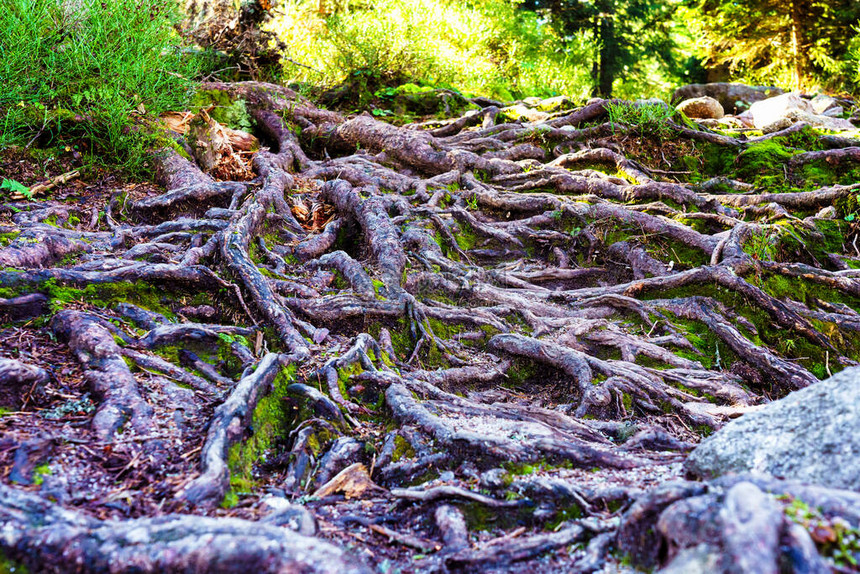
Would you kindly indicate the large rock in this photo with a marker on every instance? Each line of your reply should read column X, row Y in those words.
column 812, row 435
column 733, row 97
column 780, row 112
column 814, row 120
column 822, row 104
column 704, row 108
column 771, row 110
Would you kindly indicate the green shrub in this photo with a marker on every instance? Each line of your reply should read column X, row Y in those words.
column 90, row 69
column 488, row 48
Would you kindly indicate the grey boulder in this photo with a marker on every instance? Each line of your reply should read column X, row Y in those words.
column 773, row 109
column 780, row 112
column 733, row 97
column 812, row 436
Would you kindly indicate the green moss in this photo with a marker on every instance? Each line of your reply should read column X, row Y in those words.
column 7, row 238
column 231, row 499
column 107, row 294
column 227, row 111
column 269, row 422
column 792, row 345
column 797, row 289
column 820, row 173
column 762, row 158
column 344, row 374
column 379, row 289
column 466, row 238
column 402, row 449
column 627, row 401
column 383, row 356
column 40, row 472
column 715, row 160
column 171, row 144
column 563, row 514
column 806, row 139
column 660, row 247
column 650, row 362
column 338, row 280
column 9, row 566
column 522, row 371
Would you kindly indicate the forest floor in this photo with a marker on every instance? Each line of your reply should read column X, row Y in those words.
column 471, row 344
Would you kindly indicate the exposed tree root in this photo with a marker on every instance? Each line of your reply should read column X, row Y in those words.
column 513, row 327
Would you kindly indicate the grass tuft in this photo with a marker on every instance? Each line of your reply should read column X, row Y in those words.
column 92, row 72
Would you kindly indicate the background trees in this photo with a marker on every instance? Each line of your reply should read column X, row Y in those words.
column 796, row 43
column 635, row 41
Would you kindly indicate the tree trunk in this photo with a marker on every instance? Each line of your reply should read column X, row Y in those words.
column 606, row 66
column 799, row 13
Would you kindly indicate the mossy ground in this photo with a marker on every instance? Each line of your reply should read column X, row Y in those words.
column 9, row 566
column 270, row 426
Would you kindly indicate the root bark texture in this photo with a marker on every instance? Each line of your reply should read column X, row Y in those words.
column 516, row 331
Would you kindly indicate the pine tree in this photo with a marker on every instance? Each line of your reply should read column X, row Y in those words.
column 797, row 42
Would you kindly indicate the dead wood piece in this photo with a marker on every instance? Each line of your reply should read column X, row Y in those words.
column 344, row 452
column 352, row 482
column 42, row 188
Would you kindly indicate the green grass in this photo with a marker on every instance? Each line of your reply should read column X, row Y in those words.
column 91, row 72
column 646, row 118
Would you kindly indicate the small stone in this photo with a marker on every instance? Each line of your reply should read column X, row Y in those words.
column 276, row 503
column 701, row 559
column 520, row 112
column 701, row 108
column 493, row 479
column 320, row 335
column 828, row 212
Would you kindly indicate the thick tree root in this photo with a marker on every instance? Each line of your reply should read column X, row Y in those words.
column 519, row 329
column 47, row 538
